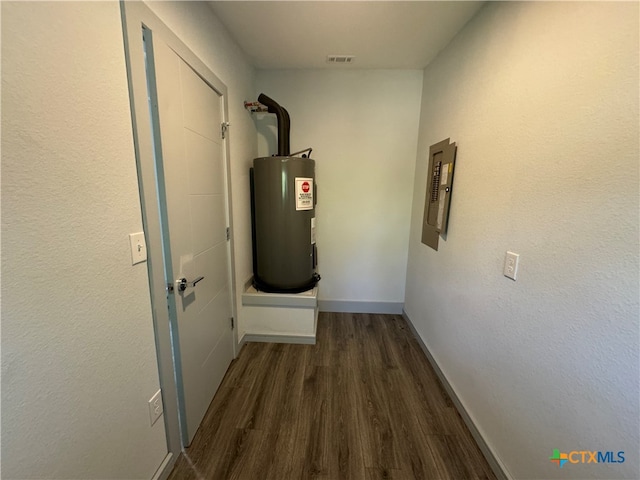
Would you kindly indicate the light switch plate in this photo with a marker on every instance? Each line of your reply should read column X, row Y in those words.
column 138, row 248
column 511, row 265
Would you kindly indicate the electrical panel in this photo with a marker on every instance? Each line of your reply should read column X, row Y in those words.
column 442, row 156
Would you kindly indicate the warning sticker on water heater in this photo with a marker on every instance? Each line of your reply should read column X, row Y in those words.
column 304, row 193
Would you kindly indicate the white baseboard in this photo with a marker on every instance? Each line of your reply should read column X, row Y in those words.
column 348, row 306
column 267, row 338
column 164, row 470
column 496, row 465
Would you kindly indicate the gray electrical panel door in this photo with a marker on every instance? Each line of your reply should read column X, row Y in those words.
column 442, row 156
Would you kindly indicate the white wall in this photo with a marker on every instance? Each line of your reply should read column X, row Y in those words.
column 197, row 26
column 542, row 99
column 362, row 125
column 78, row 353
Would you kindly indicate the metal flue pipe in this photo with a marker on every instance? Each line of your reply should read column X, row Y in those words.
column 283, row 124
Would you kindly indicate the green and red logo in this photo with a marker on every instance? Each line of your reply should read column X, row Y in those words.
column 559, row 458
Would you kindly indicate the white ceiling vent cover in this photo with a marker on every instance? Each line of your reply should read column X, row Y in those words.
column 340, row 59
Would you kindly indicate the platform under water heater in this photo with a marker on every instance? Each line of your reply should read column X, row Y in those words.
column 283, row 201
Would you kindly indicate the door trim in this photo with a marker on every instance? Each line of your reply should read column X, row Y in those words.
column 136, row 16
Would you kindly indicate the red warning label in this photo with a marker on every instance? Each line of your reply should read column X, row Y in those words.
column 304, row 193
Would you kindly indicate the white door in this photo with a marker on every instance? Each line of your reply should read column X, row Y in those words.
column 190, row 158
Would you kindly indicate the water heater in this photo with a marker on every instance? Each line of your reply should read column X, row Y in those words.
column 283, row 201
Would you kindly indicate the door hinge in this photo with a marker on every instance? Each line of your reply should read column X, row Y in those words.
column 228, row 233
column 232, row 324
column 224, row 128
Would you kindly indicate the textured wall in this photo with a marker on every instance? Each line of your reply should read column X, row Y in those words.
column 362, row 125
column 542, row 99
column 78, row 353
column 197, row 26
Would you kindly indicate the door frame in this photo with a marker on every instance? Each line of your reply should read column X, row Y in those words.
column 136, row 16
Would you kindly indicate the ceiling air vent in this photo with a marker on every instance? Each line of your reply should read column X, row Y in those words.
column 340, row 59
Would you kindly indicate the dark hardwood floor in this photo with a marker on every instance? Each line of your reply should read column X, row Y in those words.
column 363, row 403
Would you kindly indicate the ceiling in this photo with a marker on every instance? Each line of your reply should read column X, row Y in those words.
column 381, row 34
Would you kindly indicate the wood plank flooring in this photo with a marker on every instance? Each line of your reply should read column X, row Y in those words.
column 363, row 403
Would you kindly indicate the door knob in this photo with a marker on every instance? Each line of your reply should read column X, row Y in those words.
column 183, row 283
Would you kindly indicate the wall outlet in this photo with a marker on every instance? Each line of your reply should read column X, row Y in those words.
column 511, row 265
column 155, row 407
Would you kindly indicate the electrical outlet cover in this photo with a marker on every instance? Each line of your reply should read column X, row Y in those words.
column 155, row 407
column 511, row 265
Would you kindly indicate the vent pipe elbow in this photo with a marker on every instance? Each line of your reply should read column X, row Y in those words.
column 284, row 124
